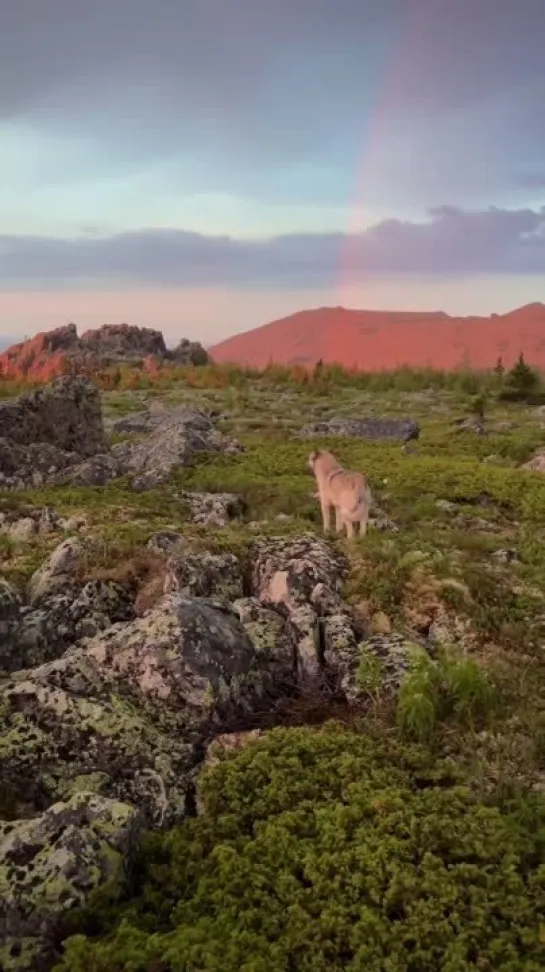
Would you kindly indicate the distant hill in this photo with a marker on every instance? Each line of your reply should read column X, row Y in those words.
column 62, row 351
column 380, row 340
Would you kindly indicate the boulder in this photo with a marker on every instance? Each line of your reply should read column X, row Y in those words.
column 165, row 542
column 65, row 413
column 362, row 667
column 32, row 465
column 55, row 435
column 131, row 708
column 96, row 471
column 53, row 863
column 57, row 571
column 43, row 632
column 174, row 438
column 59, row 609
column 204, row 575
column 301, row 578
column 371, row 428
column 213, row 509
column 188, row 662
column 288, row 571
column 64, row 730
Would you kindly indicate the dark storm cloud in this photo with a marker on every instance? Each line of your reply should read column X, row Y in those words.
column 450, row 242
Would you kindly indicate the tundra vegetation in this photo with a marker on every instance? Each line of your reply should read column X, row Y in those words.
column 398, row 834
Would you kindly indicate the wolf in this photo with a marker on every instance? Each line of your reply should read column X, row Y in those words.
column 348, row 492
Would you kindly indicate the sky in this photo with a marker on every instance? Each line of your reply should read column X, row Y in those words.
column 205, row 166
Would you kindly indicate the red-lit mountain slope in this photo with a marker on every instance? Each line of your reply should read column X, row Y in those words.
column 376, row 340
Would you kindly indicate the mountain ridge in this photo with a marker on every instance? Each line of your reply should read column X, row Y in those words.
column 380, row 339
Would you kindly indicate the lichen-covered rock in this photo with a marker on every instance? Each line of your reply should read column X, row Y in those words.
column 383, row 660
column 301, row 577
column 31, row 465
column 165, row 542
column 204, row 575
column 65, row 413
column 274, row 641
column 213, row 509
column 10, row 607
column 60, row 616
column 58, row 570
column 122, row 341
column 131, row 707
column 372, row 428
column 51, row 864
column 286, row 570
column 22, row 530
column 189, row 663
column 96, row 471
column 43, row 632
column 379, row 520
column 64, row 730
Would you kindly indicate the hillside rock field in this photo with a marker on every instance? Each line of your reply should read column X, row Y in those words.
column 229, row 742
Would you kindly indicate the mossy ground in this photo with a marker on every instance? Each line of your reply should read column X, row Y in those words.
column 460, row 501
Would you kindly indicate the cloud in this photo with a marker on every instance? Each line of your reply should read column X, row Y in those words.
column 532, row 180
column 399, row 101
column 449, row 242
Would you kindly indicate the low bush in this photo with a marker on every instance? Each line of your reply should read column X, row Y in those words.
column 331, row 850
column 452, row 687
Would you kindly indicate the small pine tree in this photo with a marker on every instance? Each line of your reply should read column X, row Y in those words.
column 318, row 369
column 499, row 369
column 521, row 381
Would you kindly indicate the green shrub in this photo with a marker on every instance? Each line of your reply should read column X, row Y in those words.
column 449, row 687
column 328, row 850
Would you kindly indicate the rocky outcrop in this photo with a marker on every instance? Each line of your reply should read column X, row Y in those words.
column 57, row 609
column 173, row 438
column 130, row 708
column 61, row 352
column 65, row 414
column 51, row 864
column 123, row 341
column 56, row 435
column 113, row 707
column 48, row 430
column 188, row 352
column 373, row 429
